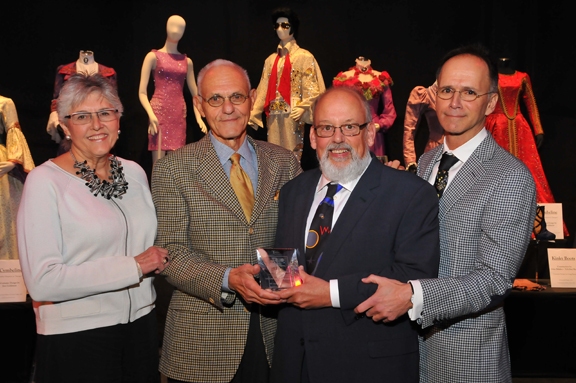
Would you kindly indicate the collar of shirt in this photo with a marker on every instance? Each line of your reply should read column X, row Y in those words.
column 323, row 182
column 249, row 161
column 289, row 47
column 463, row 152
column 349, row 186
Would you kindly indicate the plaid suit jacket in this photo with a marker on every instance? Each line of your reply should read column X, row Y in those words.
column 201, row 223
column 486, row 217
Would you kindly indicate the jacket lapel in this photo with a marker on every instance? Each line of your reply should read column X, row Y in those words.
column 267, row 171
column 426, row 164
column 301, row 212
column 467, row 176
column 212, row 173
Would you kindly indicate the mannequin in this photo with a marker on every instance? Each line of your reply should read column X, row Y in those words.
column 513, row 132
column 287, row 102
column 375, row 86
column 421, row 103
column 505, row 66
column 86, row 64
column 15, row 163
column 167, row 108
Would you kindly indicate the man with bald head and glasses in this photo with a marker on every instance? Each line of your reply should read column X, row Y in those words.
column 349, row 219
column 217, row 201
column 487, row 208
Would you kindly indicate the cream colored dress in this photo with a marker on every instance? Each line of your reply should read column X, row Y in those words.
column 13, row 147
column 306, row 84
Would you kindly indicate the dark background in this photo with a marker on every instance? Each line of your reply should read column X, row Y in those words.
column 407, row 39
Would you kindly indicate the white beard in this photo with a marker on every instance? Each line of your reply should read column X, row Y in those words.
column 348, row 173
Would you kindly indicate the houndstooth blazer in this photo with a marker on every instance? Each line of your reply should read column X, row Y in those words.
column 486, row 217
column 201, row 223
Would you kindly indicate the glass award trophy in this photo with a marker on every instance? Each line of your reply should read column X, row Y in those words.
column 278, row 268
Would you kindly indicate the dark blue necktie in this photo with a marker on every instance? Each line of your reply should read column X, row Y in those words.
column 320, row 228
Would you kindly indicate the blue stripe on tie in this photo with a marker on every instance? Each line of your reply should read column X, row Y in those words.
column 329, row 200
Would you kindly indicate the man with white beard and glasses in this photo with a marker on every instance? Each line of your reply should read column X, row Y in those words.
column 350, row 218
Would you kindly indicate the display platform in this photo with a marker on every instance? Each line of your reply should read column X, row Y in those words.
column 535, row 264
column 17, row 352
column 541, row 332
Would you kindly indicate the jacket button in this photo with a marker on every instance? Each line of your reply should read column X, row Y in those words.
column 211, row 300
column 302, row 341
column 251, row 231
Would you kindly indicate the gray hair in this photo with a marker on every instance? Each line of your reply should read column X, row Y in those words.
column 217, row 63
column 81, row 85
column 350, row 90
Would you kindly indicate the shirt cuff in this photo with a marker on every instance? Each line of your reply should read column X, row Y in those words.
column 334, row 293
column 417, row 299
column 225, row 287
column 140, row 273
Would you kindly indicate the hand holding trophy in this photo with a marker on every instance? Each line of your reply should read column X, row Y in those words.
column 279, row 268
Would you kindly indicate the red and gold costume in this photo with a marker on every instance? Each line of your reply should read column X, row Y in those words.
column 511, row 130
column 304, row 84
column 375, row 87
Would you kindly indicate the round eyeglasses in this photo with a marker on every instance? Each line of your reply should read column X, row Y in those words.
column 217, row 100
column 82, row 118
column 349, row 130
column 465, row 95
column 284, row 25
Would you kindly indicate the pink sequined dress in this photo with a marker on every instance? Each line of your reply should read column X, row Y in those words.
column 168, row 102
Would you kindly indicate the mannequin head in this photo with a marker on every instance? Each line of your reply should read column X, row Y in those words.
column 282, row 31
column 363, row 63
column 289, row 16
column 86, row 57
column 505, row 66
column 175, row 28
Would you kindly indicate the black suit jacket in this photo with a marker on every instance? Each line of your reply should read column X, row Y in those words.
column 388, row 227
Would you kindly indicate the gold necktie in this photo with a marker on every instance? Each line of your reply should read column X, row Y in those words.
column 242, row 185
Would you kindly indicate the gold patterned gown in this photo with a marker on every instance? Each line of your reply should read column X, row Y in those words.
column 13, row 147
column 511, row 130
column 306, row 83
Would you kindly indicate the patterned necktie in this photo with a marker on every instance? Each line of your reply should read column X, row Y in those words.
column 447, row 161
column 242, row 185
column 320, row 228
